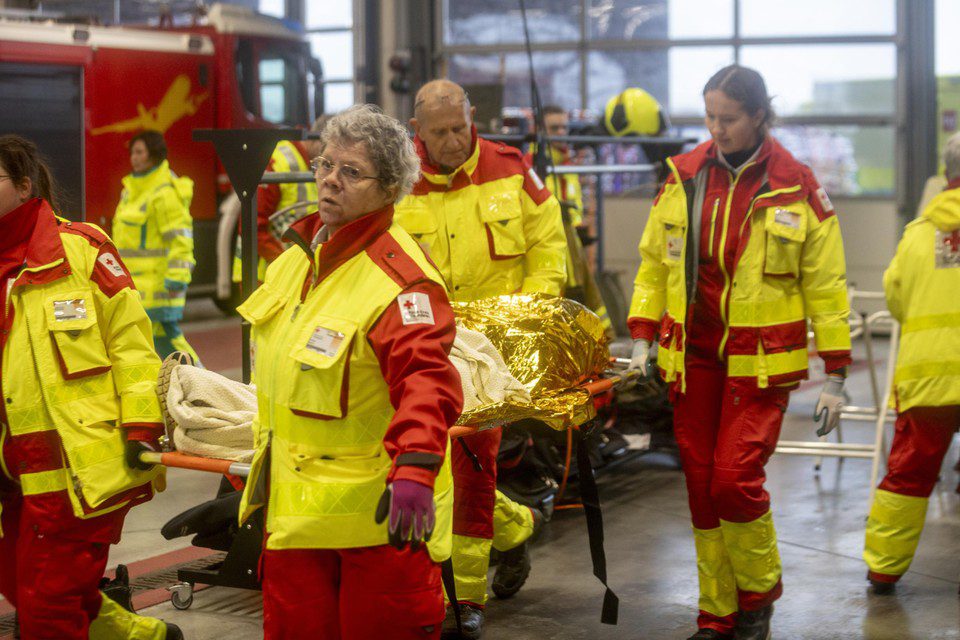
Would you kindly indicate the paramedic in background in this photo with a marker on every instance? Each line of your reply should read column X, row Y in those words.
column 153, row 230
column 741, row 248
column 492, row 228
column 356, row 393
column 921, row 286
column 581, row 284
column 79, row 380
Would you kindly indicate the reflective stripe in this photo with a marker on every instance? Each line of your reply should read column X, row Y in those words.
column 180, row 264
column 169, row 295
column 33, row 484
column 174, row 233
column 753, row 553
column 935, row 321
column 756, row 313
column 471, row 559
column 718, row 586
column 935, row 369
column 142, row 253
column 893, row 532
column 293, row 161
column 770, row 364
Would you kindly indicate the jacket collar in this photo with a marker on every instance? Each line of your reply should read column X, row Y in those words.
column 782, row 169
column 954, row 184
column 137, row 184
column 45, row 250
column 432, row 172
column 344, row 244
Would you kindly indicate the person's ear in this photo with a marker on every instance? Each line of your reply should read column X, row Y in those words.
column 415, row 125
column 25, row 189
column 473, row 113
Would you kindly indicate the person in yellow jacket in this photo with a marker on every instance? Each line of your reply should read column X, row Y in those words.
column 352, row 331
column 921, row 285
column 280, row 205
column 492, row 228
column 581, row 284
column 742, row 247
column 78, row 378
column 153, row 230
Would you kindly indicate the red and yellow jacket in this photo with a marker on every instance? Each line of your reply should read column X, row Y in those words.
column 491, row 227
column 733, row 264
column 78, row 376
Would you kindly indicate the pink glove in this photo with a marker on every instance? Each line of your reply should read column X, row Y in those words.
column 410, row 507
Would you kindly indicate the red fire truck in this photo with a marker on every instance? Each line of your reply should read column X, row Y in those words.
column 80, row 92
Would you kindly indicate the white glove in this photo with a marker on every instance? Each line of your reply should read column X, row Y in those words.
column 640, row 357
column 830, row 404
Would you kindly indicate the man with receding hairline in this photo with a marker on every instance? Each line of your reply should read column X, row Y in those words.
column 492, row 228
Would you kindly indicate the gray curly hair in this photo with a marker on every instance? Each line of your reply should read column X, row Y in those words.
column 951, row 156
column 386, row 139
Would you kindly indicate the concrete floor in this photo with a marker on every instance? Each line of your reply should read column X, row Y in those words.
column 820, row 520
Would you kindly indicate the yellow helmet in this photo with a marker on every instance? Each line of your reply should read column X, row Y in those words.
column 634, row 111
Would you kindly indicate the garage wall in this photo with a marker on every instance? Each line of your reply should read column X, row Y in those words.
column 870, row 235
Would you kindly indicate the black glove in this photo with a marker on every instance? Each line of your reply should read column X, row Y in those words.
column 132, row 452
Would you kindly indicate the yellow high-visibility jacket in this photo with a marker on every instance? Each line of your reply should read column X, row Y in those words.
column 791, row 268
column 78, row 367
column 491, row 227
column 922, row 285
column 153, row 230
column 324, row 405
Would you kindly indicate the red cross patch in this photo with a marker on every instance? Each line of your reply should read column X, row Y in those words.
column 112, row 264
column 948, row 249
column 415, row 308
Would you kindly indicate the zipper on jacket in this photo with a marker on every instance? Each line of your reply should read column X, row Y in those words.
column 713, row 225
column 724, row 295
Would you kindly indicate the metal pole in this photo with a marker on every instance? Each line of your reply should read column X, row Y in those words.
column 248, row 269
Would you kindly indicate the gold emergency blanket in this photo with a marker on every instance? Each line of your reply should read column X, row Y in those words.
column 551, row 345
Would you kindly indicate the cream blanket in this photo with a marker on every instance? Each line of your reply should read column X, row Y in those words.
column 214, row 414
column 483, row 373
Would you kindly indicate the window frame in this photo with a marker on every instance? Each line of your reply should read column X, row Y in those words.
column 896, row 119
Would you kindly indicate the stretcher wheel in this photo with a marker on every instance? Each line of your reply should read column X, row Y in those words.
column 181, row 595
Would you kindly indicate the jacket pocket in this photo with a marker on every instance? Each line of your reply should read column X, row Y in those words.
column 786, row 229
column 673, row 219
column 502, row 218
column 129, row 227
column 784, row 337
column 263, row 304
column 321, row 352
column 72, row 322
column 420, row 222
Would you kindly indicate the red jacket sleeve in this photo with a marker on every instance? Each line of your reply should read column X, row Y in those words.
column 642, row 328
column 268, row 197
column 424, row 385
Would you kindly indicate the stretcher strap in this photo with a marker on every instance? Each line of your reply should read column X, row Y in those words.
column 590, row 497
column 450, row 586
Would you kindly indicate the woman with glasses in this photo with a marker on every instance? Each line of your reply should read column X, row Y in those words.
column 154, row 232
column 352, row 331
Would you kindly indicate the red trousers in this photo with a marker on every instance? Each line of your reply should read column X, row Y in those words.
column 726, row 435
column 475, row 492
column 51, row 575
column 370, row 593
column 920, row 441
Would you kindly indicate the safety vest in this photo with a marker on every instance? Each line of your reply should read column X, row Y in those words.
column 922, row 286
column 77, row 365
column 790, row 268
column 153, row 230
column 491, row 226
column 324, row 407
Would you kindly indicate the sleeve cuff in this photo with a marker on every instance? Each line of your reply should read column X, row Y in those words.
column 642, row 329
column 143, row 432
column 420, row 475
column 833, row 362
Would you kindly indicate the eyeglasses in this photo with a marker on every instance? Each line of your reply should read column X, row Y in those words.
column 322, row 167
column 7, row 177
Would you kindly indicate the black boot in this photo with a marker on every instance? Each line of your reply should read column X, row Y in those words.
column 514, row 567
column 173, row 632
column 754, row 625
column 710, row 634
column 471, row 623
column 881, row 588
column 119, row 589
